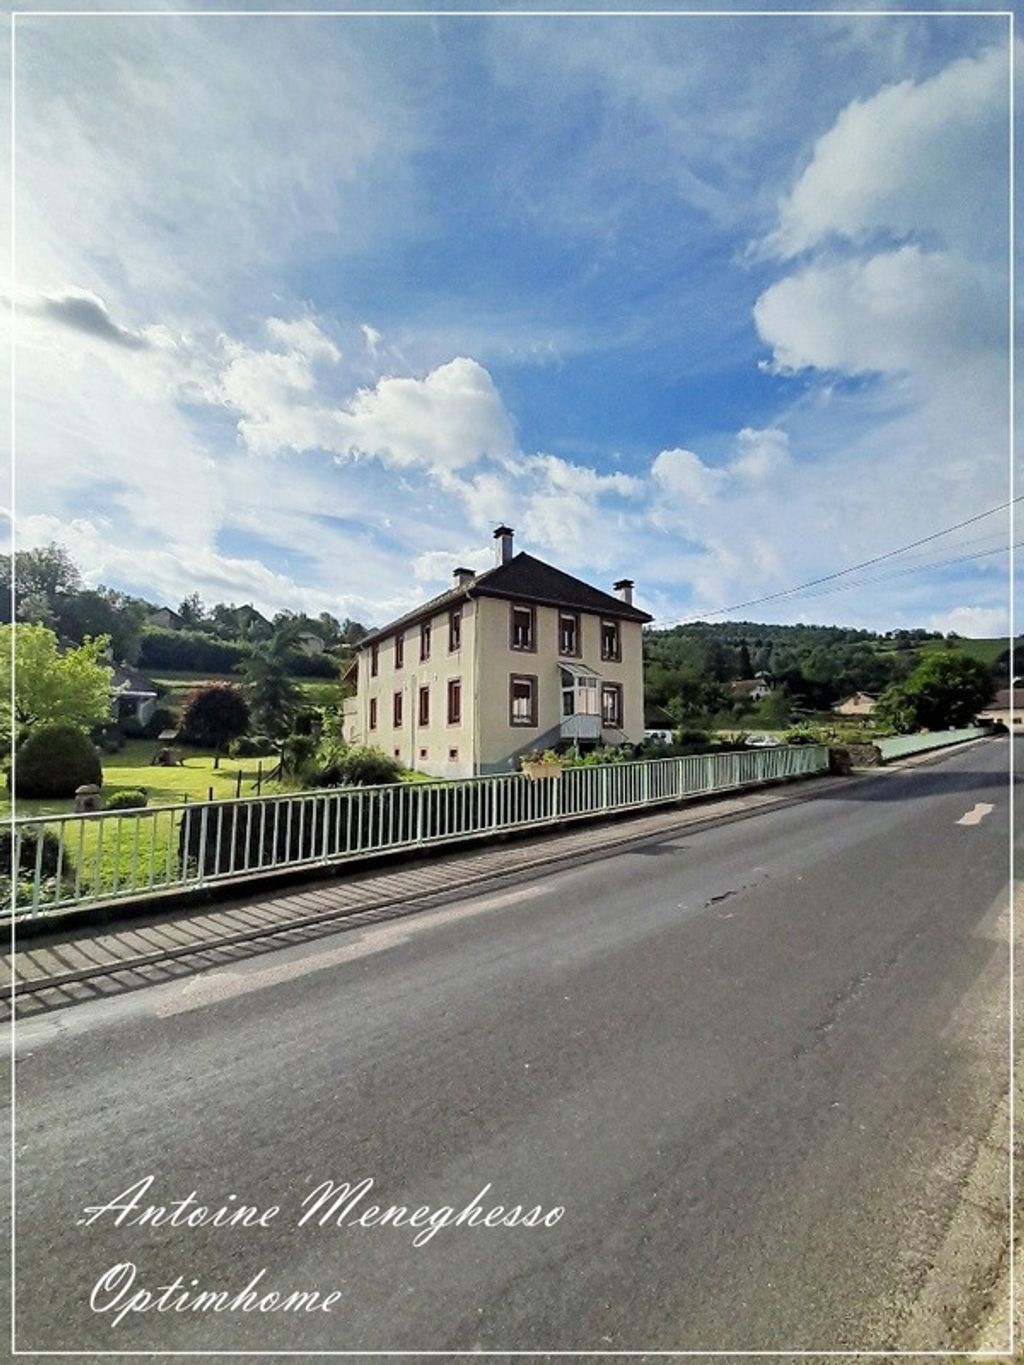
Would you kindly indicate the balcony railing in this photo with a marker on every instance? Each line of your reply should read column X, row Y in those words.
column 580, row 726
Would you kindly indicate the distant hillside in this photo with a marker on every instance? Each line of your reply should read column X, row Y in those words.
column 689, row 668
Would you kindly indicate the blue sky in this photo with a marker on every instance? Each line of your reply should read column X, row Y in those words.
column 306, row 305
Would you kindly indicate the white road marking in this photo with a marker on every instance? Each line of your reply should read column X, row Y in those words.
column 976, row 814
column 210, row 988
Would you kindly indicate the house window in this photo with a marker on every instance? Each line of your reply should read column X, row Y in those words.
column 611, row 643
column 522, row 627
column 424, row 641
column 396, row 711
column 455, row 630
column 373, row 713
column 399, row 650
column 522, row 700
column 374, row 660
column 611, row 705
column 453, row 755
column 454, row 701
column 397, row 753
column 423, row 753
column 424, row 705
column 569, row 634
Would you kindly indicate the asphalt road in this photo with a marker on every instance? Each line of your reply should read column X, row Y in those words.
column 754, row 1064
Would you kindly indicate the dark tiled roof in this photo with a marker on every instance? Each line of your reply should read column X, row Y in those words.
column 522, row 578
column 1001, row 701
column 132, row 680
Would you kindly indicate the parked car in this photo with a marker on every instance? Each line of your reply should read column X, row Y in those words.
column 762, row 742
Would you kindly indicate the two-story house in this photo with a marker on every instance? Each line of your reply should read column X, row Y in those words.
column 514, row 659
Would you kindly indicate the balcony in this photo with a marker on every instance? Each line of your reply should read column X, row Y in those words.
column 580, row 726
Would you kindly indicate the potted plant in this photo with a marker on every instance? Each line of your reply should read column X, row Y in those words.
column 538, row 766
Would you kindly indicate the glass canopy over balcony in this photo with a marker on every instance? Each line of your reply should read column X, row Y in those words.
column 581, row 702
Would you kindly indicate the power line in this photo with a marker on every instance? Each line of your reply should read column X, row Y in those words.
column 864, row 563
column 914, row 568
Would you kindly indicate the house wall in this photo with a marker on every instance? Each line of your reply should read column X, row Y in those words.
column 438, row 739
column 499, row 742
column 485, row 740
column 855, row 707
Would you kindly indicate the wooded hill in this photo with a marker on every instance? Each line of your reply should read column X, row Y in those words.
column 689, row 668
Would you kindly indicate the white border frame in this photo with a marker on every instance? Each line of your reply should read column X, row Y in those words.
column 544, row 14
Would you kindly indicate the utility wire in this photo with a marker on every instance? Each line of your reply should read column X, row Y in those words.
column 852, row 568
column 912, row 569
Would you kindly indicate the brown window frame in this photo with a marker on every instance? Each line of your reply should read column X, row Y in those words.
column 454, row 630
column 374, row 659
column 423, row 704
column 424, row 641
column 606, row 655
column 576, row 653
column 513, row 607
column 530, row 678
column 397, row 709
column 373, row 713
column 400, row 649
column 456, row 718
column 616, row 691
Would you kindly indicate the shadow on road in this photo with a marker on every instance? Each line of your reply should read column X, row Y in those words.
column 908, row 786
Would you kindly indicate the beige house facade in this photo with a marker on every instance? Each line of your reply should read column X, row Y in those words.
column 519, row 658
column 856, row 704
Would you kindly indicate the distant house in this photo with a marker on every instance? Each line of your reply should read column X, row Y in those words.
column 133, row 695
column 1006, row 706
column 520, row 657
column 856, row 704
column 751, row 689
column 309, row 644
column 247, row 617
column 165, row 619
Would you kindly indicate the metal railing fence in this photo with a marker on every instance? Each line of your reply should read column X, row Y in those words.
column 79, row 861
column 899, row 746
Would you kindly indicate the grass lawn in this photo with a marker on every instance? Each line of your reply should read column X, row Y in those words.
column 131, row 768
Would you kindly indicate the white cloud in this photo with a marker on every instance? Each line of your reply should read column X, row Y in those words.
column 681, row 474
column 904, row 311
column 897, row 161
column 974, row 622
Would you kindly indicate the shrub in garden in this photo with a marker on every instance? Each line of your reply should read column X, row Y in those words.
column 358, row 767
column 214, row 715
column 27, row 853
column 54, row 761
column 129, row 799
column 161, row 719
column 252, row 746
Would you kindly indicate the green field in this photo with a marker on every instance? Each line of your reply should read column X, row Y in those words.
column 986, row 651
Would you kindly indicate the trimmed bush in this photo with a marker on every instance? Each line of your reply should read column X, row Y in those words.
column 252, row 746
column 54, row 761
column 129, row 799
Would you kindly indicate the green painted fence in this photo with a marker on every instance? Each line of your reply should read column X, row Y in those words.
column 899, row 746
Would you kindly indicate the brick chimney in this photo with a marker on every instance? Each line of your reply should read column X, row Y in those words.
column 463, row 577
column 502, row 544
column 624, row 587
